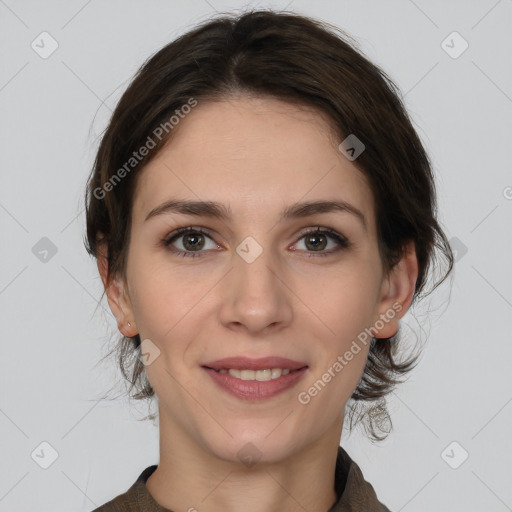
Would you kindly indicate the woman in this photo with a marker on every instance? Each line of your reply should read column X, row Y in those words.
column 263, row 214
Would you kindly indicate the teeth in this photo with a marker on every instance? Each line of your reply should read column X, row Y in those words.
column 260, row 375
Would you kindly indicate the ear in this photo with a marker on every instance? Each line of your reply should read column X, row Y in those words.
column 117, row 296
column 396, row 294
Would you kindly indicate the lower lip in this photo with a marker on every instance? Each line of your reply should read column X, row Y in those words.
column 254, row 389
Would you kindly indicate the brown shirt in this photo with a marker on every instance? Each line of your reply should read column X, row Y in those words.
column 354, row 493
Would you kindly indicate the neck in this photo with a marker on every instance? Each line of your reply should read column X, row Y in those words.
column 303, row 481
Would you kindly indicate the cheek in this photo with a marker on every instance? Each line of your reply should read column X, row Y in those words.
column 159, row 309
column 158, row 298
column 168, row 304
column 346, row 307
column 346, row 300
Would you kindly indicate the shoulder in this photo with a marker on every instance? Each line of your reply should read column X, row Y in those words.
column 358, row 494
column 129, row 501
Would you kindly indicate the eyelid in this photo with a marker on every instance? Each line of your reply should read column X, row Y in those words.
column 179, row 232
column 342, row 241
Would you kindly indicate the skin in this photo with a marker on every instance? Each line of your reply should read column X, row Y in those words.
column 255, row 155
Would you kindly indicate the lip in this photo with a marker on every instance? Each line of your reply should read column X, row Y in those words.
column 262, row 363
column 252, row 390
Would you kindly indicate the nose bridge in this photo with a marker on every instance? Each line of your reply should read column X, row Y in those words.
column 255, row 267
column 255, row 264
column 257, row 296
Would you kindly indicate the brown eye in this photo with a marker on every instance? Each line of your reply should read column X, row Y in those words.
column 316, row 241
column 193, row 242
column 188, row 242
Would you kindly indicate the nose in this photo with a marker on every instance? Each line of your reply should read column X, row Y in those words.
column 257, row 293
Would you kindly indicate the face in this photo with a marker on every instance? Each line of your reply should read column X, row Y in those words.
column 255, row 283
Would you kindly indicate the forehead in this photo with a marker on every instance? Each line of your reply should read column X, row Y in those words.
column 254, row 154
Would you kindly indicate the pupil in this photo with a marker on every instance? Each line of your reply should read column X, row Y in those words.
column 195, row 239
column 318, row 242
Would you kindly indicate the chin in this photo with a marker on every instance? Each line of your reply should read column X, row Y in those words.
column 250, row 447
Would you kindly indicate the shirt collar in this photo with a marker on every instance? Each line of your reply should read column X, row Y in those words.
column 354, row 493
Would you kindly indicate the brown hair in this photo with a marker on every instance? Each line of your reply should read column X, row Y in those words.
column 300, row 60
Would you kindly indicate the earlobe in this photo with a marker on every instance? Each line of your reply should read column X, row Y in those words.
column 121, row 307
column 117, row 297
column 397, row 293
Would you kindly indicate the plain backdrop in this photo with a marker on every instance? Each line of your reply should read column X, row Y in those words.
column 451, row 446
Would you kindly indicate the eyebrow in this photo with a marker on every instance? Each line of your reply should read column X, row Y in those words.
column 220, row 211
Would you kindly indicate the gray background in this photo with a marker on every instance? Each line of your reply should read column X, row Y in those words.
column 52, row 112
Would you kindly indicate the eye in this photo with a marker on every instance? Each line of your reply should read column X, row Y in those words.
column 192, row 240
column 317, row 240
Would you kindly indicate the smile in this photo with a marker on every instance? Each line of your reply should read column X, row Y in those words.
column 255, row 384
column 259, row 375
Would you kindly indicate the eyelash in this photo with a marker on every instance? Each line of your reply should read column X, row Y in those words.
column 169, row 239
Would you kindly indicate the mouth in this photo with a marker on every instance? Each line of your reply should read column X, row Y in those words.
column 259, row 375
column 255, row 379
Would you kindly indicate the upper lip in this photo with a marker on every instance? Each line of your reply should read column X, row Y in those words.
column 262, row 363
